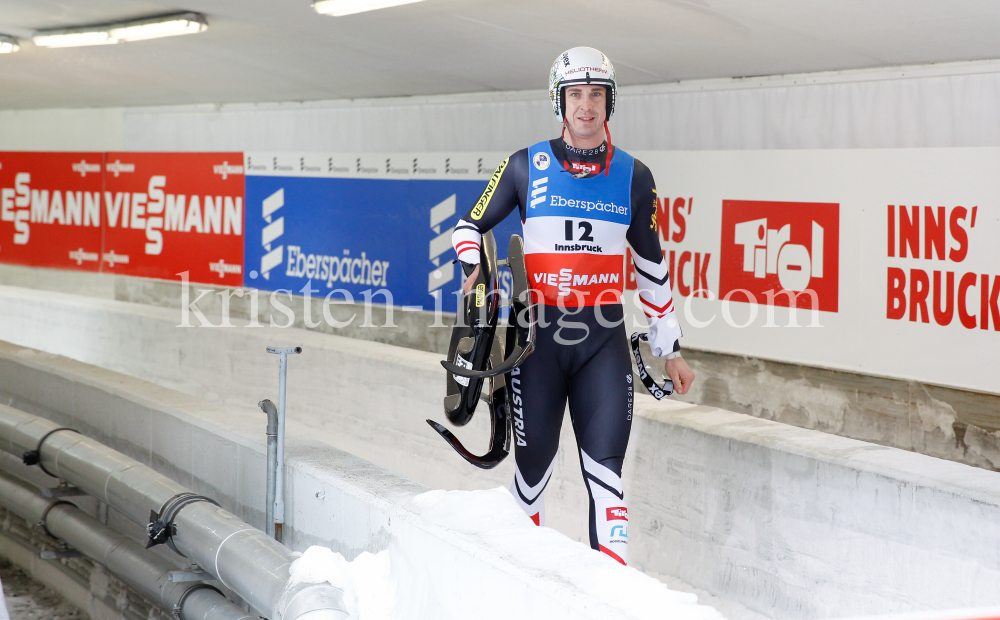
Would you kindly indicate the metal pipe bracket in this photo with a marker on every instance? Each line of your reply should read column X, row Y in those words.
column 161, row 528
column 34, row 457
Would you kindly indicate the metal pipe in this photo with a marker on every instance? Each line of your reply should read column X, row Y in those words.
column 141, row 569
column 279, row 489
column 272, row 463
column 279, row 474
column 244, row 559
column 63, row 579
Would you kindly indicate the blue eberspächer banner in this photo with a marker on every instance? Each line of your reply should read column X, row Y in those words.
column 357, row 238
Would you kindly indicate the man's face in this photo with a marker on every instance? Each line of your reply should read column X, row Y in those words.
column 586, row 108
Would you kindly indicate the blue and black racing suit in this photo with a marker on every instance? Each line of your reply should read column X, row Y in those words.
column 577, row 217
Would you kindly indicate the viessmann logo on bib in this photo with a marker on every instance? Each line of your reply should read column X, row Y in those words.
column 775, row 251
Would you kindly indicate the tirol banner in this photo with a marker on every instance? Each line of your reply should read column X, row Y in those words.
column 350, row 228
column 167, row 213
column 50, row 209
column 896, row 250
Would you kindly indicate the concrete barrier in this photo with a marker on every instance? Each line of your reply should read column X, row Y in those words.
column 937, row 420
column 442, row 568
column 788, row 521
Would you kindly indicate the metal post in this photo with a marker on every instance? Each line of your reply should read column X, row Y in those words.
column 279, row 486
column 272, row 463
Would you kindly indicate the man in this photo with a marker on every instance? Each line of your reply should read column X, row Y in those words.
column 580, row 200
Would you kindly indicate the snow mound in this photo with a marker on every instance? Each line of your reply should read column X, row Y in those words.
column 369, row 590
column 495, row 520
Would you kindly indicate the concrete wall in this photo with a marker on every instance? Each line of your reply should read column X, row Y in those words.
column 442, row 569
column 813, row 524
column 788, row 521
column 939, row 421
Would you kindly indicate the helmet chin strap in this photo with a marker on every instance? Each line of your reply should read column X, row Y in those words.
column 607, row 162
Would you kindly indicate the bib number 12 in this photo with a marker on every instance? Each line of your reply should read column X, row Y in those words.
column 586, row 227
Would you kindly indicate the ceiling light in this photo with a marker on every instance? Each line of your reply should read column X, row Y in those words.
column 133, row 30
column 72, row 39
column 8, row 44
column 168, row 26
column 338, row 8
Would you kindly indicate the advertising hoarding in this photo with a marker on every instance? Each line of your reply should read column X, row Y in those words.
column 50, row 209
column 361, row 227
column 167, row 213
column 898, row 247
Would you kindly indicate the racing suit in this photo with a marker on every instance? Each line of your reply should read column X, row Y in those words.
column 576, row 217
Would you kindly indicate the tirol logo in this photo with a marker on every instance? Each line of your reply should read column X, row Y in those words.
column 618, row 514
column 584, row 167
column 775, row 253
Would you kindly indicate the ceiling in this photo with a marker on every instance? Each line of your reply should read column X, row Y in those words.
column 280, row 50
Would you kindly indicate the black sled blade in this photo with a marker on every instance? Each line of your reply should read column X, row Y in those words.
column 500, row 422
column 460, row 400
column 491, row 459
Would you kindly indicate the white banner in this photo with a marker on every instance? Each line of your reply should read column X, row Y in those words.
column 898, row 248
column 430, row 166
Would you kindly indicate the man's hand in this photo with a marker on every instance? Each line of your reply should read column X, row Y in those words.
column 680, row 373
column 470, row 281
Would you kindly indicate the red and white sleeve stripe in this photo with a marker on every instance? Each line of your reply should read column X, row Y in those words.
column 658, row 304
column 467, row 240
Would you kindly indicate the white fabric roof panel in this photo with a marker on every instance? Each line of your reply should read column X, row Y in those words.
column 281, row 50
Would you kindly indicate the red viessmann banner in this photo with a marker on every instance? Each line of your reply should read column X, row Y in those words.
column 167, row 213
column 50, row 209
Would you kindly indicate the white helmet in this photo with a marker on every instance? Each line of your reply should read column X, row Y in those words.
column 581, row 65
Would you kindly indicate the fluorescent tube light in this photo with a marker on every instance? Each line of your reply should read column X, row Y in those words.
column 72, row 39
column 8, row 44
column 168, row 26
column 133, row 30
column 339, row 8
